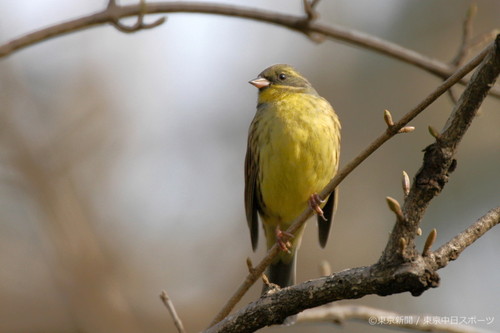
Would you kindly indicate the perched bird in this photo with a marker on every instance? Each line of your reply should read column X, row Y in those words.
column 292, row 153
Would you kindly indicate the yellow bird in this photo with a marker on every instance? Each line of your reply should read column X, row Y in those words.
column 292, row 153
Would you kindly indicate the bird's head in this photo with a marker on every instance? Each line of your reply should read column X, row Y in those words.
column 282, row 77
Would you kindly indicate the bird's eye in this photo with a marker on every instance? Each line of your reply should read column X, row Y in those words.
column 282, row 76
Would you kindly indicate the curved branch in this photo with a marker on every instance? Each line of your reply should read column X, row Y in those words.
column 302, row 24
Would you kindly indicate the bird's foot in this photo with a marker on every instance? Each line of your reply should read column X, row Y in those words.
column 315, row 204
column 283, row 239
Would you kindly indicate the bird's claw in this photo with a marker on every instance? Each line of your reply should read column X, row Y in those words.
column 315, row 204
column 283, row 239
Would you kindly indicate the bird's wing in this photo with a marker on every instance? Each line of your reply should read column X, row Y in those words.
column 251, row 193
column 328, row 211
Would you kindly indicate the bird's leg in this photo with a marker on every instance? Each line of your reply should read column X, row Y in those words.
column 282, row 238
column 315, row 204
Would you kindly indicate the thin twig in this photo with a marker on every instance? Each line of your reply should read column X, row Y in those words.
column 452, row 249
column 300, row 220
column 464, row 48
column 483, row 39
column 253, row 276
column 311, row 15
column 311, row 12
column 113, row 13
column 171, row 309
column 389, row 133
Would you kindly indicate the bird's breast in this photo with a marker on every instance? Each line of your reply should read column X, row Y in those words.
column 298, row 155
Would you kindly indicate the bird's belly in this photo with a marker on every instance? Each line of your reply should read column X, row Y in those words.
column 293, row 166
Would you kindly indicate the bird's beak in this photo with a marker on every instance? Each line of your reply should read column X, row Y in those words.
column 260, row 82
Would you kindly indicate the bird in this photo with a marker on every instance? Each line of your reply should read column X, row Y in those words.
column 292, row 153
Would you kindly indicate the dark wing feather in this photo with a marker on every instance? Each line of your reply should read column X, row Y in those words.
column 251, row 202
column 328, row 211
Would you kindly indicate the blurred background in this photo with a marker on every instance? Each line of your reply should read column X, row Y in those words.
column 121, row 163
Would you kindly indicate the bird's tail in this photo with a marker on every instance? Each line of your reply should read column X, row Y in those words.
column 282, row 272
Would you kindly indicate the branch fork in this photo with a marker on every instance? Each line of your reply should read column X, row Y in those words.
column 311, row 16
column 310, row 9
column 439, row 159
column 139, row 25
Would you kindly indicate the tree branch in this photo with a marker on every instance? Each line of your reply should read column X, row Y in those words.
column 139, row 25
column 400, row 268
column 413, row 276
column 303, row 24
column 465, row 45
column 173, row 313
column 464, row 48
column 337, row 314
column 451, row 250
column 438, row 157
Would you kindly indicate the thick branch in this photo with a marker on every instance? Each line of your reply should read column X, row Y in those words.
column 298, row 23
column 438, row 157
column 276, row 306
column 414, row 276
